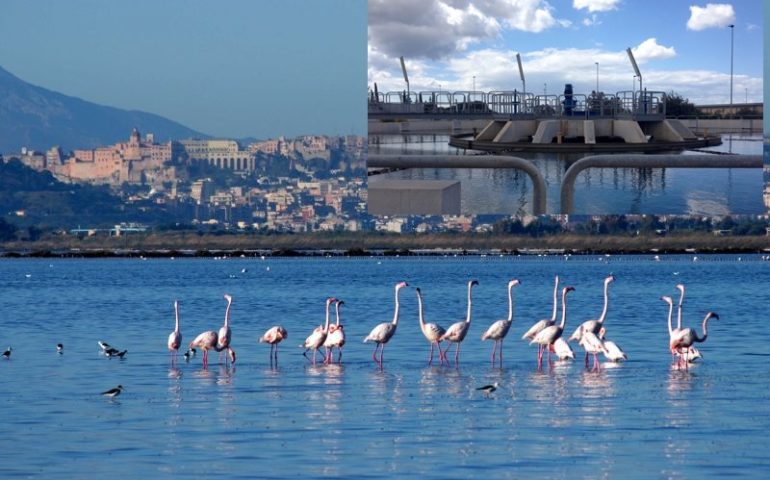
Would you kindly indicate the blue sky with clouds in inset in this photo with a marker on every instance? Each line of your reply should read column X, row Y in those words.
column 231, row 68
column 680, row 46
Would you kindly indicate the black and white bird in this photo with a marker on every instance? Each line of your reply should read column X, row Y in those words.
column 104, row 345
column 59, row 348
column 113, row 392
column 114, row 353
column 487, row 389
column 7, row 353
column 190, row 353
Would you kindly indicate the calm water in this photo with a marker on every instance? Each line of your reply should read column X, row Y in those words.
column 597, row 191
column 639, row 419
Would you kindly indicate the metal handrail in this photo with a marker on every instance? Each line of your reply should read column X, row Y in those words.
column 648, row 161
column 469, row 161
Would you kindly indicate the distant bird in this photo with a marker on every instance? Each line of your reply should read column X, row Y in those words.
column 244, row 270
column 205, row 341
column 336, row 336
column 113, row 392
column 383, row 332
column 7, row 353
column 316, row 339
column 562, row 350
column 544, row 323
column 225, row 334
column 593, row 326
column 59, row 348
column 549, row 335
column 190, row 353
column 175, row 338
column 692, row 355
column 457, row 331
column 487, row 389
column 498, row 330
column 684, row 339
column 612, row 351
column 274, row 335
column 431, row 331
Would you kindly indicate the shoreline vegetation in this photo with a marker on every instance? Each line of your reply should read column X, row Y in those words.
column 191, row 244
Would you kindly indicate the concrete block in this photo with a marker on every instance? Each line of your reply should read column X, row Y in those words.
column 414, row 197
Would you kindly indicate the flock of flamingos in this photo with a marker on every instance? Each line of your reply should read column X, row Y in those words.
column 546, row 333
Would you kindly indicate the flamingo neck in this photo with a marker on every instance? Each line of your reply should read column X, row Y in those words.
column 670, row 313
column 705, row 329
column 679, row 310
column 510, row 303
column 419, row 310
column 555, row 300
column 337, row 313
column 176, row 314
column 227, row 313
column 395, row 313
column 563, row 309
column 606, row 302
column 326, row 325
column 470, row 303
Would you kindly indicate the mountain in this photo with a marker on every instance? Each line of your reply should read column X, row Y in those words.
column 34, row 117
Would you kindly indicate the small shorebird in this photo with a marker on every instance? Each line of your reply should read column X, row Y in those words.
column 59, row 348
column 113, row 392
column 7, row 353
column 114, row 353
column 487, row 389
column 103, row 345
column 190, row 353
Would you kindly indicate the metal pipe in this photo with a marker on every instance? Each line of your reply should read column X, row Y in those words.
column 648, row 161
column 469, row 161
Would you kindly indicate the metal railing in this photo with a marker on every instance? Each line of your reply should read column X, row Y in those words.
column 648, row 161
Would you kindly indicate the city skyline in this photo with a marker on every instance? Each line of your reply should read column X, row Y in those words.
column 228, row 69
column 462, row 45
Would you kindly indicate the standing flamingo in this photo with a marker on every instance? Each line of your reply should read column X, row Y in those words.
column 335, row 337
column 273, row 336
column 383, row 332
column 549, row 335
column 175, row 338
column 457, row 331
column 431, row 331
column 593, row 326
column 318, row 337
column 562, row 350
column 223, row 339
column 498, row 330
column 611, row 349
column 687, row 336
column 593, row 345
column 544, row 323
column 208, row 341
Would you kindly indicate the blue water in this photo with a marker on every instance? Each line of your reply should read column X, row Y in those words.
column 640, row 419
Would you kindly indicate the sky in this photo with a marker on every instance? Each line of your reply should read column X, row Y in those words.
column 228, row 68
column 680, row 45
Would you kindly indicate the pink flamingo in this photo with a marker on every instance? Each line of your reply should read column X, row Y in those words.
column 273, row 336
column 336, row 337
column 593, row 326
column 431, row 331
column 498, row 330
column 544, row 323
column 687, row 336
column 562, row 350
column 549, row 335
column 383, row 332
column 208, row 341
column 457, row 331
column 593, row 345
column 225, row 334
column 175, row 338
column 318, row 337
column 612, row 351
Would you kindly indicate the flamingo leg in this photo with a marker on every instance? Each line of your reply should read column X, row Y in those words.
column 501, row 353
column 430, row 357
column 374, row 354
column 457, row 354
column 382, row 354
column 494, row 349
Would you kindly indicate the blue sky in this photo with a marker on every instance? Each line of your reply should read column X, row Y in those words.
column 680, row 46
column 229, row 68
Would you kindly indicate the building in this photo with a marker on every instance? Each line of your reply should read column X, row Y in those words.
column 225, row 154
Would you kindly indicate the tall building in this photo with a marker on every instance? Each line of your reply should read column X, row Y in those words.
column 225, row 154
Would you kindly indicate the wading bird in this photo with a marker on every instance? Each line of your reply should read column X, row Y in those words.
column 549, row 335
column 431, row 331
column 457, row 331
column 175, row 338
column 544, row 323
column 383, row 332
column 498, row 330
column 316, row 339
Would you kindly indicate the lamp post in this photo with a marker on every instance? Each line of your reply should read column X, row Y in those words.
column 474, row 83
column 597, row 77
column 732, row 36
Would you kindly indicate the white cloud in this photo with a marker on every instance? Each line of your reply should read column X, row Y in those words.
column 713, row 15
column 592, row 20
column 651, row 50
column 596, row 5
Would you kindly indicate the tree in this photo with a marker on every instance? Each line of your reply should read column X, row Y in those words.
column 677, row 105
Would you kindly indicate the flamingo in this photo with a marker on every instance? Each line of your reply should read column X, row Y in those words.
column 208, row 341
column 687, row 336
column 175, row 338
column 318, row 337
column 547, row 336
column 612, row 351
column 457, row 331
column 562, row 349
column 544, row 323
column 593, row 326
column 336, row 336
column 498, row 330
column 383, row 332
column 273, row 336
column 593, row 345
column 432, row 331
column 223, row 339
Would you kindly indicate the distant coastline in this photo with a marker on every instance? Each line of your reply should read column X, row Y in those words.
column 373, row 244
